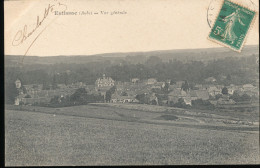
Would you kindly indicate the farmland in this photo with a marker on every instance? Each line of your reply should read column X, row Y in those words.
column 124, row 134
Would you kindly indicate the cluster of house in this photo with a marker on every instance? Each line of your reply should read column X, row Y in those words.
column 126, row 92
column 34, row 93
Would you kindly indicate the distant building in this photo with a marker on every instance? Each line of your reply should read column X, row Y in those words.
column 198, row 87
column 168, row 81
column 231, row 89
column 193, row 95
column 18, row 84
column 62, row 86
column 213, row 91
column 29, row 88
column 158, row 85
column 117, row 98
column 198, row 94
column 179, row 84
column 33, row 87
column 18, row 99
column 202, row 94
column 151, row 81
column 172, row 87
column 104, row 83
column 153, row 99
column 135, row 80
column 248, row 87
column 174, row 95
column 210, row 80
column 187, row 100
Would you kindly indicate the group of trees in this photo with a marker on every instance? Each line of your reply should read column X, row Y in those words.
column 185, row 86
column 180, row 104
column 236, row 71
column 109, row 93
column 241, row 98
column 143, row 98
column 80, row 97
column 236, row 96
column 10, row 93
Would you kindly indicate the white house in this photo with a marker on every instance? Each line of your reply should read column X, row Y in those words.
column 104, row 82
column 151, row 81
column 135, row 80
column 18, row 84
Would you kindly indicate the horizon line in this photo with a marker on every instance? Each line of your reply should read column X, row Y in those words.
column 221, row 47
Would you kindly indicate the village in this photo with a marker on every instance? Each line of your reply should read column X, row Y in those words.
column 148, row 91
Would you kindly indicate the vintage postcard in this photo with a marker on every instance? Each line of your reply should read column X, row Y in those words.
column 131, row 82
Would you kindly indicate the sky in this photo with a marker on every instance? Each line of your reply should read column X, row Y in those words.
column 148, row 25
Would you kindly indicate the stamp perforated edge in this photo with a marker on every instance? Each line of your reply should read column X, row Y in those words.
column 248, row 30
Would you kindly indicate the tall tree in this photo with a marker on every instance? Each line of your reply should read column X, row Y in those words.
column 54, row 82
column 10, row 93
column 80, row 96
column 185, row 86
column 225, row 91
column 109, row 93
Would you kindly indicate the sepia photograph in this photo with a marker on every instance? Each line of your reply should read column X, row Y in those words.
column 127, row 82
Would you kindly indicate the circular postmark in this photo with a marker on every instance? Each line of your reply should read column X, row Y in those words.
column 212, row 11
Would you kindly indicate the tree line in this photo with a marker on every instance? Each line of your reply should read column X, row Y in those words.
column 235, row 70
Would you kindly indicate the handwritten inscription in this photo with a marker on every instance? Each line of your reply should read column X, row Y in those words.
column 24, row 34
column 55, row 9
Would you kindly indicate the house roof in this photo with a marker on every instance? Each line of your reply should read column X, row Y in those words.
column 193, row 93
column 105, row 80
column 213, row 89
column 210, row 79
column 248, row 86
column 135, row 79
column 202, row 94
column 177, row 92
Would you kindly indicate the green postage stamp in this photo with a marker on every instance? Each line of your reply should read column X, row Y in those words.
column 232, row 25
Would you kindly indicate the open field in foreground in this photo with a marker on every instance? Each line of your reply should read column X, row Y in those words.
column 110, row 135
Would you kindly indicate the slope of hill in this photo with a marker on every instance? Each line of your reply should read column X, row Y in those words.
column 184, row 55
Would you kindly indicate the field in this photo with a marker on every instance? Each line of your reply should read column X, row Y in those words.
column 124, row 134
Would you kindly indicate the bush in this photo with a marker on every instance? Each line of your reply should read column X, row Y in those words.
column 202, row 104
column 21, row 103
column 181, row 104
column 237, row 98
column 218, row 96
column 225, row 91
column 27, row 96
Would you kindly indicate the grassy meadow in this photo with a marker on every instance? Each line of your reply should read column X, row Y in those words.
column 121, row 134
